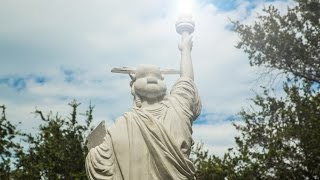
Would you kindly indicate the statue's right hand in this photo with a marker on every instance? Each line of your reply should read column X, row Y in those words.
column 186, row 43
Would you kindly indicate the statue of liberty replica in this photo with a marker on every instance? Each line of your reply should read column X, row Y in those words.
column 152, row 141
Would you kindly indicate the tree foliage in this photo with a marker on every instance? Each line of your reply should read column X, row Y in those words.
column 58, row 151
column 207, row 166
column 7, row 146
column 280, row 137
column 289, row 43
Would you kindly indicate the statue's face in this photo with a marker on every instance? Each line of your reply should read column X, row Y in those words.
column 149, row 82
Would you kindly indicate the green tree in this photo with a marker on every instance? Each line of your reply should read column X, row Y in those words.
column 58, row 151
column 289, row 43
column 280, row 137
column 207, row 166
column 7, row 146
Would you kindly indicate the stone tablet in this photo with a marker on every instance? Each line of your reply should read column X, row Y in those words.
column 96, row 137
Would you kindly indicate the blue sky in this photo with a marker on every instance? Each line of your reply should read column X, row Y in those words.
column 54, row 51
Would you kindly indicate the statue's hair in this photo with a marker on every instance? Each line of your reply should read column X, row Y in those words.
column 138, row 101
column 136, row 97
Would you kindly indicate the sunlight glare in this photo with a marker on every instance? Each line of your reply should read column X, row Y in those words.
column 185, row 7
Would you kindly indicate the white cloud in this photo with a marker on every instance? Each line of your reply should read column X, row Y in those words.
column 217, row 138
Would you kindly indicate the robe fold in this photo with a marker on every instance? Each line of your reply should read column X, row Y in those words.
column 150, row 144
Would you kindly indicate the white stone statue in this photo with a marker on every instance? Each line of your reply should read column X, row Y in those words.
column 153, row 140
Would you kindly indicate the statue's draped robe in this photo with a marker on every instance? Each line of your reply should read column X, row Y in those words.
column 150, row 144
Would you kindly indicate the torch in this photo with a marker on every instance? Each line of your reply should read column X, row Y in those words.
column 185, row 26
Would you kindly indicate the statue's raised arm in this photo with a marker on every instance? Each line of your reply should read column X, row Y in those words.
column 185, row 27
column 185, row 46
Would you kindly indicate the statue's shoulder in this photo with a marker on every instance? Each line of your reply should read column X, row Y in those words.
column 125, row 116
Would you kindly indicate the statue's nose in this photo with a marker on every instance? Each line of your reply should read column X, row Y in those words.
column 152, row 80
